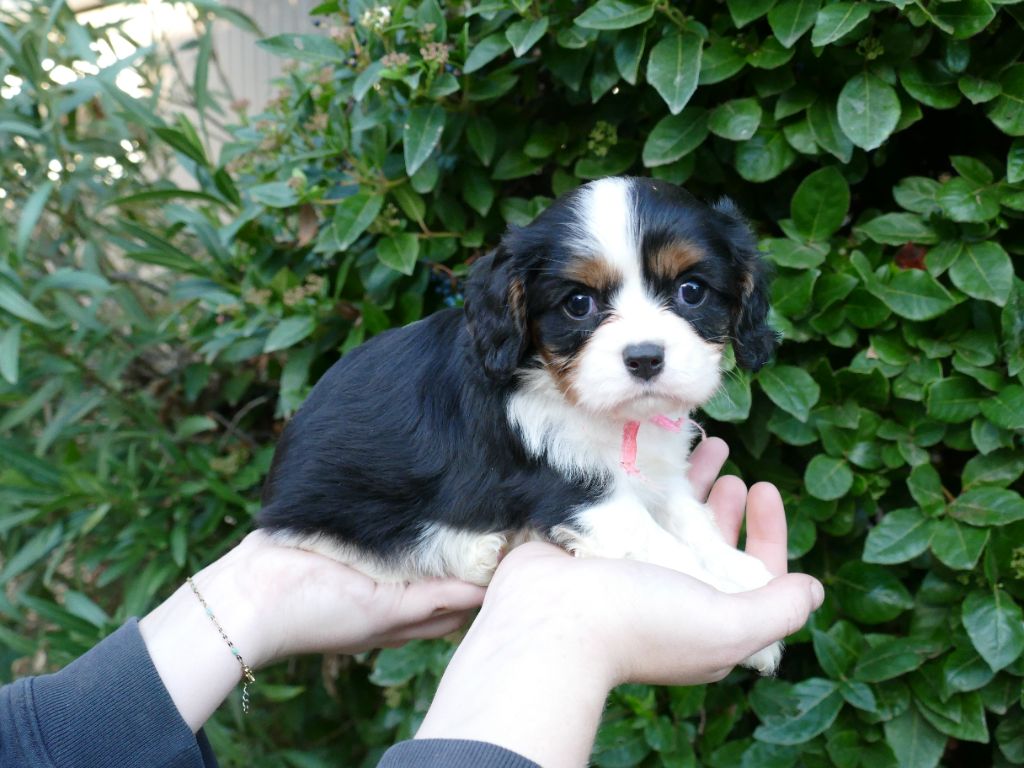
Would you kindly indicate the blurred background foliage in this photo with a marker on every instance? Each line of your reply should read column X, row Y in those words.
column 167, row 299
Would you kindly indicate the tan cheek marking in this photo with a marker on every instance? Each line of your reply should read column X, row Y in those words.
column 672, row 260
column 561, row 368
column 595, row 272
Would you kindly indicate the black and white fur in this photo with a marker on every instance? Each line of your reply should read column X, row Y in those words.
column 432, row 449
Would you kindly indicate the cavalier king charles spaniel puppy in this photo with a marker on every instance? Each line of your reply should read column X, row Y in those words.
column 554, row 406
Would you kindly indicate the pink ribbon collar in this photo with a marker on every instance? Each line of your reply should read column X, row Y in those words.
column 632, row 429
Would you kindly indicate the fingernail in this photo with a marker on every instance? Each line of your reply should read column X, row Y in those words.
column 817, row 593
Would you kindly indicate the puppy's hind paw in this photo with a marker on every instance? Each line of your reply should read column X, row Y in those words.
column 766, row 661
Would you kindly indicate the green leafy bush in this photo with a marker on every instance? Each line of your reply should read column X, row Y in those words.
column 875, row 147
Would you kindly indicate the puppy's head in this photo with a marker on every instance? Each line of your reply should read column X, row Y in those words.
column 624, row 292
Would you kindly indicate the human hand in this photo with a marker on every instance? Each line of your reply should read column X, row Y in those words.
column 303, row 602
column 648, row 624
column 557, row 633
column 275, row 601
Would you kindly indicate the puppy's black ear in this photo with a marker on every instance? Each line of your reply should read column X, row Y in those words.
column 754, row 341
column 496, row 312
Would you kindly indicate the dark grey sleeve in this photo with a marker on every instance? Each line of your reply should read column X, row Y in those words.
column 451, row 753
column 107, row 708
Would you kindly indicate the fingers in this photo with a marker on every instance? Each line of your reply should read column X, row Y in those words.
column 775, row 611
column 438, row 626
column 424, row 600
column 727, row 500
column 766, row 528
column 705, row 463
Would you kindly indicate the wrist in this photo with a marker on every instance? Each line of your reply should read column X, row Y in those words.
column 194, row 661
column 531, row 681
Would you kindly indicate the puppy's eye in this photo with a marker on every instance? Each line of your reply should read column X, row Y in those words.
column 692, row 292
column 580, row 305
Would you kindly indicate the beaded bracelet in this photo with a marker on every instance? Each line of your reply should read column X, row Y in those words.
column 247, row 676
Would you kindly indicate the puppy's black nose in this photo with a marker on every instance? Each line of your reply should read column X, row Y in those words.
column 644, row 361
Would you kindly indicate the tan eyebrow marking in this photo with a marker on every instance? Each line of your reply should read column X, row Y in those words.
column 594, row 272
column 671, row 260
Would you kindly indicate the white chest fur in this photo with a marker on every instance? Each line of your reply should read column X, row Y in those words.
column 583, row 446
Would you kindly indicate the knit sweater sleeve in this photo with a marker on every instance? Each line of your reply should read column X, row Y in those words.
column 451, row 753
column 107, row 708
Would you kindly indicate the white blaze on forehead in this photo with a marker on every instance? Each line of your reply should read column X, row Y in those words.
column 608, row 228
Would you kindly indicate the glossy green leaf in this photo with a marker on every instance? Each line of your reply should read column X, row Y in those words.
column 964, row 201
column 1007, row 109
column 720, row 61
column 790, row 19
column 399, row 252
column 999, row 468
column 745, row 11
column 837, row 649
column 731, row 403
column 836, row 20
column 828, row 478
column 868, row 110
column 1015, row 162
column 816, row 703
column 870, row 594
column 482, row 137
column 764, row 156
column 953, row 400
column 965, row 17
column 673, row 68
column 675, row 136
column 984, row 271
column 353, row 216
column 995, row 624
column 888, row 659
column 902, row 534
column 958, row 546
column 486, row 51
column 289, row 332
column 421, row 134
column 914, row 741
column 925, row 486
column 915, row 295
column 820, row 203
column 736, row 120
column 790, row 388
column 964, row 670
column 615, row 14
column 898, row 229
column 1006, row 408
column 628, row 53
column 525, row 34
column 988, row 506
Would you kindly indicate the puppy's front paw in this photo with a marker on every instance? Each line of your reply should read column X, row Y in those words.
column 766, row 661
column 482, row 558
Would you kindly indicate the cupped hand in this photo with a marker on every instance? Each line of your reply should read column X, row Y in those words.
column 303, row 602
column 644, row 623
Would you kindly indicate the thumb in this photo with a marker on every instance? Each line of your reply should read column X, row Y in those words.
column 779, row 608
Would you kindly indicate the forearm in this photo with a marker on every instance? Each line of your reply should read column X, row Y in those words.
column 194, row 662
column 523, row 689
